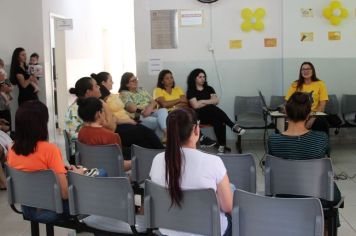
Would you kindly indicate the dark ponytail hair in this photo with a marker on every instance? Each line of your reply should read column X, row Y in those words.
column 81, row 87
column 298, row 106
column 88, row 107
column 100, row 78
column 180, row 124
column 14, row 64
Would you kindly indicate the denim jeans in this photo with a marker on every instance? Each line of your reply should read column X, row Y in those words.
column 45, row 216
column 156, row 121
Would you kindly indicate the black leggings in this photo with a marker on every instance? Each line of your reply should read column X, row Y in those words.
column 216, row 117
column 139, row 135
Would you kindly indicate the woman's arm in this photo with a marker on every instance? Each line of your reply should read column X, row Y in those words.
column 149, row 108
column 197, row 104
column 110, row 119
column 321, row 106
column 24, row 82
column 63, row 183
column 225, row 195
column 167, row 104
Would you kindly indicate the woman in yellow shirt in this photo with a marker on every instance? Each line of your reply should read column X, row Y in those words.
column 309, row 83
column 171, row 97
column 167, row 94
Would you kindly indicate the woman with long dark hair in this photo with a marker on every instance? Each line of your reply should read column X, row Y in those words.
column 182, row 166
column 31, row 151
column 19, row 76
column 203, row 100
column 308, row 82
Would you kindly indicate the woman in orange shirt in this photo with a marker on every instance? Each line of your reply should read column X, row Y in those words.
column 31, row 151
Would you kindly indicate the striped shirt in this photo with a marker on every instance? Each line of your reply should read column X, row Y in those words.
column 311, row 145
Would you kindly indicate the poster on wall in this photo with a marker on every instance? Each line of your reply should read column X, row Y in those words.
column 154, row 66
column 270, row 42
column 235, row 44
column 334, row 35
column 164, row 29
column 307, row 37
column 190, row 18
column 306, row 12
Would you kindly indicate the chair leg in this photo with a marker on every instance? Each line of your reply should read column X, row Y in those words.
column 49, row 230
column 35, row 230
column 238, row 144
column 332, row 226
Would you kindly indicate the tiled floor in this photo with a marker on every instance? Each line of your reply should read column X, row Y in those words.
column 344, row 158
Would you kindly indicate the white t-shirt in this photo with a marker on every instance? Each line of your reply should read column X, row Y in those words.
column 201, row 170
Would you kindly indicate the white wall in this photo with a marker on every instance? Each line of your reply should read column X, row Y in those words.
column 253, row 67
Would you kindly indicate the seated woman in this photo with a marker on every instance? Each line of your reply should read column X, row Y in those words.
column 5, row 143
column 31, row 151
column 309, row 83
column 85, row 87
column 129, row 130
column 90, row 110
column 138, row 100
column 204, row 100
column 170, row 96
column 181, row 160
column 298, row 142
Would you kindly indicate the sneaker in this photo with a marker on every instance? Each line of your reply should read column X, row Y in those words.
column 221, row 149
column 206, row 142
column 237, row 129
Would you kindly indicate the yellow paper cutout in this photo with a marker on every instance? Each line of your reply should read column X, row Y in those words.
column 306, row 36
column 334, row 35
column 270, row 42
column 252, row 20
column 335, row 12
column 234, row 44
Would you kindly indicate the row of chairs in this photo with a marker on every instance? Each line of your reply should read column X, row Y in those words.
column 249, row 112
column 109, row 202
column 240, row 168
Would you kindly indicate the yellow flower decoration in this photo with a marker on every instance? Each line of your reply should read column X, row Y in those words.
column 335, row 12
column 253, row 20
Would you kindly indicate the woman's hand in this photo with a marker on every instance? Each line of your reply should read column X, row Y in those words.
column 149, row 109
column 79, row 170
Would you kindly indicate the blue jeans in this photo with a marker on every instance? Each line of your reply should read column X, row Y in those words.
column 156, row 121
column 45, row 216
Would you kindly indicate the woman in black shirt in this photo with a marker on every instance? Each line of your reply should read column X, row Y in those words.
column 203, row 100
column 19, row 76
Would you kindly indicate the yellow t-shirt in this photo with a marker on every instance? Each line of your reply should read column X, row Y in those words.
column 176, row 93
column 117, row 107
column 318, row 88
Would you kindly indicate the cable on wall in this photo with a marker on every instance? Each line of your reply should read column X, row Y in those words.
column 212, row 50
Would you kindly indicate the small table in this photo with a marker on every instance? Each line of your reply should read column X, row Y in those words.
column 281, row 121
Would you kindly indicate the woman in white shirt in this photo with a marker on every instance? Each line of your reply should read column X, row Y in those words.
column 189, row 168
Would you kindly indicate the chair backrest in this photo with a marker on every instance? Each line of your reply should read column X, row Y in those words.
column 38, row 189
column 348, row 104
column 268, row 216
column 332, row 105
column 107, row 157
column 248, row 104
column 241, row 169
column 199, row 212
column 110, row 197
column 312, row 177
column 276, row 101
column 142, row 159
column 67, row 144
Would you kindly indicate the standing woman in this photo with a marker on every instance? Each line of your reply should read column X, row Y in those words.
column 204, row 100
column 309, row 83
column 139, row 101
column 19, row 76
column 182, row 166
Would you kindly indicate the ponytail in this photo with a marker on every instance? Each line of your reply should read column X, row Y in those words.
column 180, row 124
